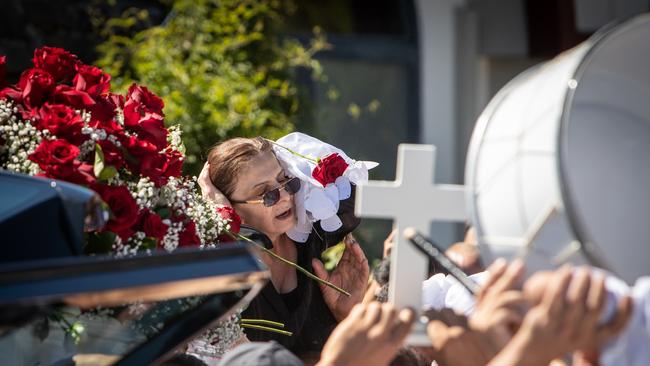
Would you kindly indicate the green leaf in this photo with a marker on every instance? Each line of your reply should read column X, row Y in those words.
column 99, row 161
column 107, row 173
column 332, row 255
column 164, row 212
column 98, row 243
column 102, row 171
column 149, row 243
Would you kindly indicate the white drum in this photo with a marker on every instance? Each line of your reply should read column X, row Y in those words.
column 558, row 168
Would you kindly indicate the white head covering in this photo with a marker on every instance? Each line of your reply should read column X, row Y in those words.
column 315, row 202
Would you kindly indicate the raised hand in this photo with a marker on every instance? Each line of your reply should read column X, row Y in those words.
column 208, row 190
column 500, row 307
column 351, row 274
column 566, row 319
column 369, row 336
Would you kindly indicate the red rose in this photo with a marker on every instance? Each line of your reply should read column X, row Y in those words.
column 188, row 237
column 36, row 86
column 77, row 99
column 3, row 70
column 124, row 209
column 11, row 93
column 138, row 148
column 152, row 225
column 173, row 166
column 228, row 213
column 91, row 80
column 106, row 105
column 153, row 166
column 56, row 158
column 329, row 168
column 56, row 61
column 149, row 126
column 148, row 101
column 62, row 121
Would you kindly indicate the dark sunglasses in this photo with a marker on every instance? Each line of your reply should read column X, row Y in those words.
column 272, row 197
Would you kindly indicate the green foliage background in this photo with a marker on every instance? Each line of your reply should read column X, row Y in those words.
column 220, row 66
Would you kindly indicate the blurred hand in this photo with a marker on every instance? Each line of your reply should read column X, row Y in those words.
column 453, row 342
column 369, row 336
column 389, row 242
column 500, row 307
column 351, row 274
column 589, row 354
column 565, row 319
column 208, row 190
column 466, row 256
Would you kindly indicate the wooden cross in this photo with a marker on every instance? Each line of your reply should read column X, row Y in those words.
column 412, row 200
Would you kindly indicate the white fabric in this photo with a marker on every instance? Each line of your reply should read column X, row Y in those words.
column 315, row 202
column 632, row 346
column 441, row 291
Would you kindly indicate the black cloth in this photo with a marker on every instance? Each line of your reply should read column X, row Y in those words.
column 311, row 321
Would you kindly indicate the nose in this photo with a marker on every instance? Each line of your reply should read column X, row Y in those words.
column 284, row 195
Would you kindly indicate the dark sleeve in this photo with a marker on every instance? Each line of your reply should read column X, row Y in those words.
column 349, row 220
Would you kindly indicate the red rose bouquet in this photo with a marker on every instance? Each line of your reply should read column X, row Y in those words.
column 62, row 121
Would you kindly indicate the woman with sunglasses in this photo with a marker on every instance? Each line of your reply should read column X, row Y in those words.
column 246, row 174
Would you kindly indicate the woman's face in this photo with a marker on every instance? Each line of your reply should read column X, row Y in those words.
column 262, row 174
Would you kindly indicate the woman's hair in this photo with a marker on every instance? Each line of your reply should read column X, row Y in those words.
column 228, row 158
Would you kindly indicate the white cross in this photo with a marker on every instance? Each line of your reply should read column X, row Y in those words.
column 412, row 200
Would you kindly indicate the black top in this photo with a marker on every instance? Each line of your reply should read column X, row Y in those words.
column 303, row 310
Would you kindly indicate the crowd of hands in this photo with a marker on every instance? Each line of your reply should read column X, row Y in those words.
column 552, row 315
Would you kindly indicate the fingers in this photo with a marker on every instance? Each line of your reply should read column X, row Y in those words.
column 576, row 297
column 406, row 317
column 554, row 296
column 387, row 320
column 597, row 294
column 319, row 269
column 373, row 313
column 358, row 311
column 353, row 253
column 616, row 325
column 503, row 277
column 495, row 271
column 512, row 275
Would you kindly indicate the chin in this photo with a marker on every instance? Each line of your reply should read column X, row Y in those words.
column 285, row 221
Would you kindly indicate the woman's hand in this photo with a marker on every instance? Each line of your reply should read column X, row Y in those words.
column 208, row 190
column 351, row 274
column 370, row 335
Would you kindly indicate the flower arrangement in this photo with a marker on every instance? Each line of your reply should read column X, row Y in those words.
column 327, row 174
column 61, row 121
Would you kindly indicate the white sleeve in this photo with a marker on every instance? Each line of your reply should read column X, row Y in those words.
column 434, row 291
column 442, row 291
column 632, row 346
column 458, row 298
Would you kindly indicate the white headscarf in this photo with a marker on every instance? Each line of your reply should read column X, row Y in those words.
column 313, row 201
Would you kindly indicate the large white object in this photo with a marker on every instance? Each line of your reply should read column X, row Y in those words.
column 313, row 201
column 558, row 168
column 412, row 200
